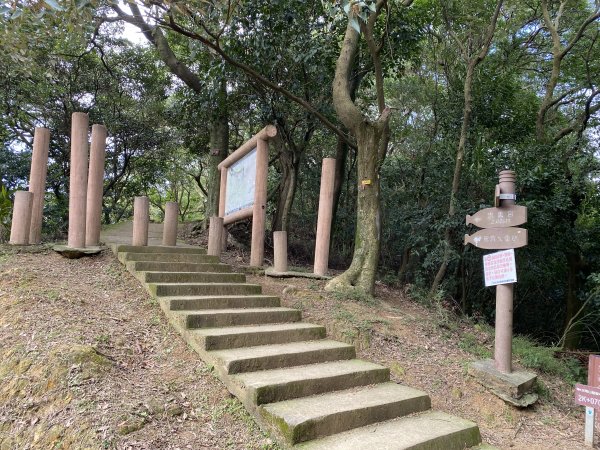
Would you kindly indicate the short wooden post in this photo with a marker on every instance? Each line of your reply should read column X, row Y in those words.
column 222, row 193
column 170, row 224
column 78, row 180
column 215, row 236
column 504, row 293
column 259, row 209
column 37, row 182
column 21, row 218
column 141, row 218
column 325, row 216
column 95, row 187
column 280, row 257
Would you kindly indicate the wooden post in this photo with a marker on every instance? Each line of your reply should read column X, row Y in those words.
column 215, row 238
column 78, row 180
column 95, row 187
column 259, row 209
column 325, row 216
column 37, row 182
column 222, row 193
column 170, row 224
column 504, row 292
column 21, row 218
column 141, row 218
column 280, row 257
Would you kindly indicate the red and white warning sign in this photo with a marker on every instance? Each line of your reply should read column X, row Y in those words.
column 500, row 268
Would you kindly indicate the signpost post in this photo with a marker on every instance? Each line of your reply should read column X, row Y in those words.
column 500, row 232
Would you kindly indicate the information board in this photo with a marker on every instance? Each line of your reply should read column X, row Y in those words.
column 241, row 182
column 500, row 268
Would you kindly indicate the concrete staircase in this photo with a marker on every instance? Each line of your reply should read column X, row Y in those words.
column 309, row 391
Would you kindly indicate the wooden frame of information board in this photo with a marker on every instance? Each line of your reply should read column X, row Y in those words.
column 260, row 142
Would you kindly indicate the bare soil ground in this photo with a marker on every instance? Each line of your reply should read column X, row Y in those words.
column 88, row 361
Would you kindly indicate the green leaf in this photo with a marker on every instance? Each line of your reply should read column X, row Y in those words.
column 54, row 5
column 82, row 3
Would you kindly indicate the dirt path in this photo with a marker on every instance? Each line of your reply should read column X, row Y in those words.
column 88, row 361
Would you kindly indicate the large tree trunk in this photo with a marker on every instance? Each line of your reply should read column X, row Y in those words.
column 372, row 139
column 219, row 147
column 362, row 270
column 287, row 189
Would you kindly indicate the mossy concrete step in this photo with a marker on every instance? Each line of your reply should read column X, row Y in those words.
column 251, row 359
column 157, row 266
column 193, row 277
column 221, row 302
column 180, row 289
column 269, row 386
column 168, row 257
column 428, row 431
column 123, row 248
column 251, row 336
column 309, row 418
column 237, row 317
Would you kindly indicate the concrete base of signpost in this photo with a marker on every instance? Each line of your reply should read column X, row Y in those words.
column 515, row 388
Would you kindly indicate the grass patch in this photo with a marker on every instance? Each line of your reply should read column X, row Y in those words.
column 469, row 343
column 534, row 356
column 355, row 295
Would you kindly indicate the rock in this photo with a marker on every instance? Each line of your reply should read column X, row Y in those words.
column 174, row 410
column 456, row 393
column 130, row 425
column 397, row 369
column 290, row 290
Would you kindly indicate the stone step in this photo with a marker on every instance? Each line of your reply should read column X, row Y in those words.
column 212, row 318
column 428, row 431
column 182, row 289
column 156, row 266
column 221, row 302
column 251, row 359
column 308, row 418
column 168, row 257
column 269, row 386
column 193, row 277
column 251, row 336
column 120, row 248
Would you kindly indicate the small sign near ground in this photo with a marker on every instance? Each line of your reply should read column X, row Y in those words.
column 587, row 396
column 500, row 268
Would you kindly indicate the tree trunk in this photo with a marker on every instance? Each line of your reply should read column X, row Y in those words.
column 362, row 270
column 573, row 331
column 219, row 146
column 287, row 189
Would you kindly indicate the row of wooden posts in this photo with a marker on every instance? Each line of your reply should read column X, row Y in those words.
column 86, row 184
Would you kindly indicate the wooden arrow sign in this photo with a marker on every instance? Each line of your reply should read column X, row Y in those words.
column 502, row 217
column 498, row 238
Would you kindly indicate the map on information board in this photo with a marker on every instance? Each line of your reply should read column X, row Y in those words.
column 241, row 180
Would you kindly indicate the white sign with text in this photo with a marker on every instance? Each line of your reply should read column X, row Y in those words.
column 500, row 268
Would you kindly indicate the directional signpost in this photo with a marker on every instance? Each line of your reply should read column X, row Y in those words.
column 500, row 232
